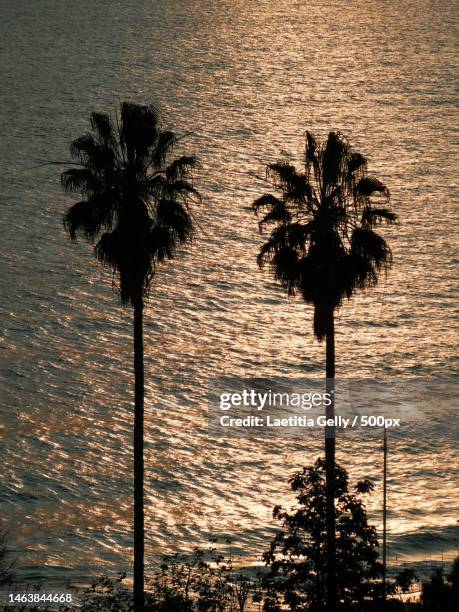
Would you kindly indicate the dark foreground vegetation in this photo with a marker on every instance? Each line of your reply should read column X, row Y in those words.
column 295, row 566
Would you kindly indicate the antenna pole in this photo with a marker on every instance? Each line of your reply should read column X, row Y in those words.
column 385, row 516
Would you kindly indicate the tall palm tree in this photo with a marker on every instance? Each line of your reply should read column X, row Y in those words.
column 135, row 207
column 323, row 245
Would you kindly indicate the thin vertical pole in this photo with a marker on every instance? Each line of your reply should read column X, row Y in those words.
column 385, row 516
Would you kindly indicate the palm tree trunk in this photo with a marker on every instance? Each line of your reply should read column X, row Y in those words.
column 138, row 459
column 330, row 465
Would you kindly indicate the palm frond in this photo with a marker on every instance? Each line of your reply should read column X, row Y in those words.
column 299, row 190
column 311, row 147
column 375, row 216
column 182, row 189
column 180, row 168
column 371, row 247
column 162, row 244
column 164, row 145
column 277, row 214
column 80, row 180
column 174, row 216
column 102, row 124
column 320, row 321
column 92, row 154
column 154, row 186
column 292, row 237
column 90, row 216
column 356, row 162
column 368, row 185
column 283, row 174
column 334, row 160
column 268, row 200
column 283, row 262
column 82, row 148
column 139, row 128
column 108, row 250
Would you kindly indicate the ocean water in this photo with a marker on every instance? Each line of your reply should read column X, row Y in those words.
column 243, row 80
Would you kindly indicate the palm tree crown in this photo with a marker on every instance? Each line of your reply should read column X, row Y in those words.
column 323, row 244
column 135, row 202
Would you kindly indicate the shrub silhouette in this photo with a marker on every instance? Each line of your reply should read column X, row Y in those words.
column 440, row 595
column 297, row 556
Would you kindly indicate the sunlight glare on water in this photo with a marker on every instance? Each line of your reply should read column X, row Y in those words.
column 245, row 80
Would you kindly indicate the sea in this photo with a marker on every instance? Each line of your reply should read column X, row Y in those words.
column 241, row 82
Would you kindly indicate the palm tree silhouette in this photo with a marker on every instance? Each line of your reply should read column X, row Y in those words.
column 324, row 246
column 135, row 207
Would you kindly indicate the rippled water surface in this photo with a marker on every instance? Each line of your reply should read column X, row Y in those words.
column 246, row 79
